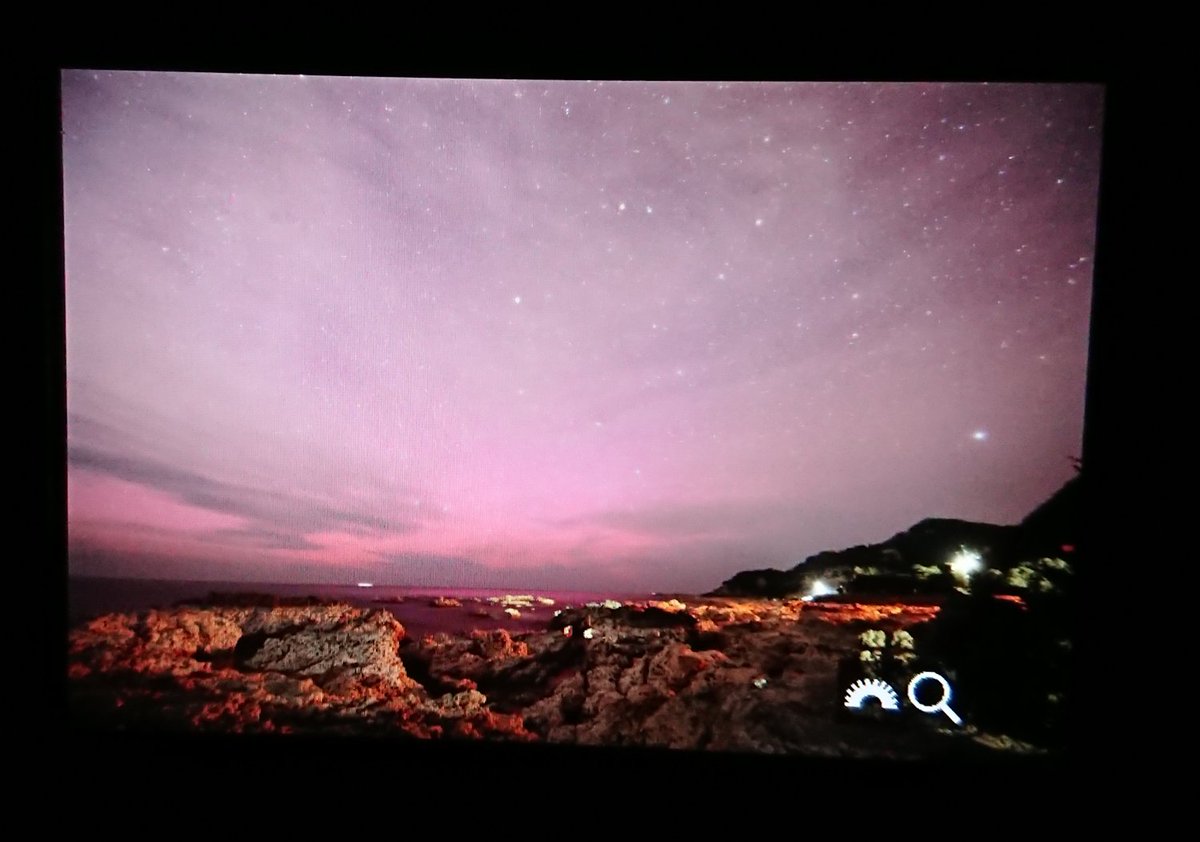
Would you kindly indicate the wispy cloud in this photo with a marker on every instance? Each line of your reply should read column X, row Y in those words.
column 458, row 571
column 266, row 539
column 281, row 519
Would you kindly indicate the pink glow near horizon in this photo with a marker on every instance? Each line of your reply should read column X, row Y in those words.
column 585, row 335
column 102, row 498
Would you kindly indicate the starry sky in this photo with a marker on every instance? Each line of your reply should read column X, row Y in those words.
column 588, row 335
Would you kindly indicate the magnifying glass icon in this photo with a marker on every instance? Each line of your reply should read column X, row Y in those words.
column 942, row 705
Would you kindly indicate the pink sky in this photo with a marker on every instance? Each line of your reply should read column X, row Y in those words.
column 586, row 335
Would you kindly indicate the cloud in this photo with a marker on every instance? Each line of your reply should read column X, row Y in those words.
column 264, row 539
column 690, row 520
column 416, row 569
column 88, row 559
column 271, row 510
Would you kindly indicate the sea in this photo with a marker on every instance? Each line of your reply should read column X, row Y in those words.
column 92, row 597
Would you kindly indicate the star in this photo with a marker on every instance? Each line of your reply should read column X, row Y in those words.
column 979, row 435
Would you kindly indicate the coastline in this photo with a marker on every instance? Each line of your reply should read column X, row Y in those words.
column 719, row 675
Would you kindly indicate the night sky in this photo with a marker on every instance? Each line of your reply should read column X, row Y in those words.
column 620, row 335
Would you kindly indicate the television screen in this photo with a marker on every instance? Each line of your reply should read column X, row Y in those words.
column 720, row 417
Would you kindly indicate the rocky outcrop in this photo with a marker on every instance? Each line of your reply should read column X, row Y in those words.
column 739, row 675
column 768, row 583
column 328, row 668
column 752, row 676
column 521, row 602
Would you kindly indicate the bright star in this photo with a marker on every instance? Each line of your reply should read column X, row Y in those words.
column 979, row 435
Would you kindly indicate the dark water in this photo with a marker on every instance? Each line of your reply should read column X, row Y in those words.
column 88, row 598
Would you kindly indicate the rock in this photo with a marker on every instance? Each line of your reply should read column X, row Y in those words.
column 730, row 674
column 520, row 601
column 634, row 615
column 763, row 583
column 498, row 644
column 672, row 605
column 323, row 668
column 366, row 650
column 445, row 602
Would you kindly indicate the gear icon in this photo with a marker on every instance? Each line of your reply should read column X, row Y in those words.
column 872, row 688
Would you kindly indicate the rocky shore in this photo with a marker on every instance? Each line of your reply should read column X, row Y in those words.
column 720, row 674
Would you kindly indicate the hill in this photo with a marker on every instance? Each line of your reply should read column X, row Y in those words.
column 919, row 559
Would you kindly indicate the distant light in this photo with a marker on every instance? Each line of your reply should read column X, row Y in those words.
column 965, row 563
column 979, row 435
column 819, row 588
column 365, row 584
column 516, row 299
